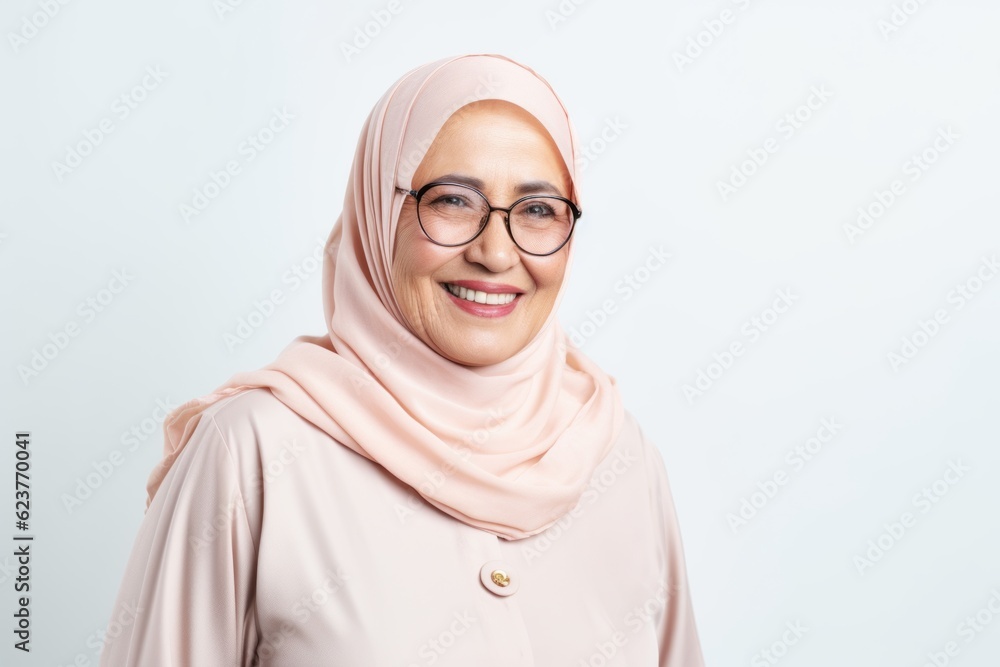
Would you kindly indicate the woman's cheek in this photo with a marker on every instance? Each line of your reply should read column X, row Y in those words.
column 548, row 277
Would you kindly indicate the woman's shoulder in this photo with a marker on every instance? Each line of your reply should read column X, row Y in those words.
column 634, row 440
column 253, row 422
column 252, row 412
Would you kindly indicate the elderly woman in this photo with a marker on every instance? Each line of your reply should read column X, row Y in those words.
column 439, row 479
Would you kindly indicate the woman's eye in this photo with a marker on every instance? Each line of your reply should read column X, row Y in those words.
column 451, row 202
column 539, row 210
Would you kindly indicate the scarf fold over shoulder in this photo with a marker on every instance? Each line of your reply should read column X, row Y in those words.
column 508, row 448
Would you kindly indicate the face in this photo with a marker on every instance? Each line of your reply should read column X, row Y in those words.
column 499, row 148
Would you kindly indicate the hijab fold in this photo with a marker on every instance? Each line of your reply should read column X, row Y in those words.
column 508, row 448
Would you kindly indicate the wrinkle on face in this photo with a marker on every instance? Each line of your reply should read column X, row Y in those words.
column 506, row 150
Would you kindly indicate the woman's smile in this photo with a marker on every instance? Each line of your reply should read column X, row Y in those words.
column 483, row 299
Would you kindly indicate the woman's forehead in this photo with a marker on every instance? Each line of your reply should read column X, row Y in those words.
column 486, row 149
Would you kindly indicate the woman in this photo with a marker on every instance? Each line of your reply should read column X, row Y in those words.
column 440, row 479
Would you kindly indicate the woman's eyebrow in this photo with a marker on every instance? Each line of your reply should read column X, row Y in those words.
column 528, row 187
column 464, row 180
column 531, row 187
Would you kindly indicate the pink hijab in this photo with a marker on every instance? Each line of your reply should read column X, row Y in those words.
column 508, row 448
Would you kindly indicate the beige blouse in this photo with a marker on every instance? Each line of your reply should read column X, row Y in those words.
column 271, row 544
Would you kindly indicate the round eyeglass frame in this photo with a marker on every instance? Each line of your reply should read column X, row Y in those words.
column 417, row 194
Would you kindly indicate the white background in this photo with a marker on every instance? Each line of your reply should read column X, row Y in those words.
column 682, row 128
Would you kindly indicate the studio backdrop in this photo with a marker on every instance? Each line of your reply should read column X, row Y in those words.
column 789, row 259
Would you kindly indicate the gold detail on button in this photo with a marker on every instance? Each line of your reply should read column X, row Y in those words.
column 500, row 578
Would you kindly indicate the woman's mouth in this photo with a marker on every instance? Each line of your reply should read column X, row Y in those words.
column 482, row 303
column 490, row 298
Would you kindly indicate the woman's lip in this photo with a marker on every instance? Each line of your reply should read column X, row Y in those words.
column 489, row 288
column 482, row 309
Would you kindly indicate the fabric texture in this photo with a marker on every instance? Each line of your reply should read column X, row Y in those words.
column 269, row 544
column 507, row 448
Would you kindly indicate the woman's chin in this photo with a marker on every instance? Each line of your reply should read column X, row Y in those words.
column 483, row 352
column 470, row 357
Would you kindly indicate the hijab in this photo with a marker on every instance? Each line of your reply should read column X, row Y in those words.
column 509, row 447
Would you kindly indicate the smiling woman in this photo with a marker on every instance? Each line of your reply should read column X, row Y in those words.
column 479, row 302
column 440, row 477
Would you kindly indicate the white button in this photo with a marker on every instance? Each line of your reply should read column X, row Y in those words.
column 498, row 578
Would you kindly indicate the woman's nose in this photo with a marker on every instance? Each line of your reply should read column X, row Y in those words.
column 494, row 248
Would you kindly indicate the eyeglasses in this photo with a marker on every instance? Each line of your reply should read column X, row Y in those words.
column 451, row 214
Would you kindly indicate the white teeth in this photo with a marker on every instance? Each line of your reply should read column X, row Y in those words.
column 480, row 297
